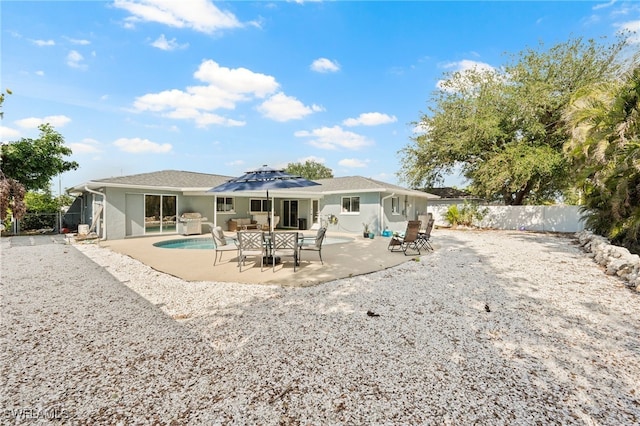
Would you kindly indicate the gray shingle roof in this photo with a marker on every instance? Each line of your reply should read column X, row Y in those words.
column 360, row 183
column 181, row 180
column 168, row 178
column 449, row 192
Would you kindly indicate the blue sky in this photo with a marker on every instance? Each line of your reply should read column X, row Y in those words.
column 136, row 86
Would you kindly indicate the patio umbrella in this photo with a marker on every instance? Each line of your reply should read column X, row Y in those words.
column 264, row 178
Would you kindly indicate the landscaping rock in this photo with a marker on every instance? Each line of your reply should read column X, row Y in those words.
column 616, row 260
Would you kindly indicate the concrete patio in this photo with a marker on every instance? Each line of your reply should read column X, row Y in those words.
column 341, row 260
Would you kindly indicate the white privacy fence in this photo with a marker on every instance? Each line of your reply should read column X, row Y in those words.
column 556, row 218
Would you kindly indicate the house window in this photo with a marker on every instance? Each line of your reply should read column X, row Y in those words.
column 259, row 206
column 225, row 205
column 350, row 204
column 395, row 205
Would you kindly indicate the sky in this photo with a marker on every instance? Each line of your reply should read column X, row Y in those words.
column 137, row 86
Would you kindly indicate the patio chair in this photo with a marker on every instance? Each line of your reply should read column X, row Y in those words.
column 315, row 243
column 222, row 244
column 285, row 244
column 408, row 241
column 424, row 237
column 251, row 243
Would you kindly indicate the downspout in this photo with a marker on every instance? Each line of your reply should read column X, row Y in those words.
column 104, row 210
column 382, row 210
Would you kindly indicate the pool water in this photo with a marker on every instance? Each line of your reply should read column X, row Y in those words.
column 187, row 243
column 207, row 243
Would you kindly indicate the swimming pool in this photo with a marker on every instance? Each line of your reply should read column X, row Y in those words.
column 207, row 243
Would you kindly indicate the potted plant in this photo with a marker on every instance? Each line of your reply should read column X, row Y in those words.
column 365, row 231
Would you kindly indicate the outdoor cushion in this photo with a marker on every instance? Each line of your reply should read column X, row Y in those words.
column 261, row 218
column 218, row 236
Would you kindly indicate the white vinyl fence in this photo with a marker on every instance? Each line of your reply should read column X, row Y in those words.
column 556, row 218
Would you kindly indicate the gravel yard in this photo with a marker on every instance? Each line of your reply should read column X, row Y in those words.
column 493, row 327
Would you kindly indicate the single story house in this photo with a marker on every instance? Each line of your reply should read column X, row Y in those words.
column 153, row 204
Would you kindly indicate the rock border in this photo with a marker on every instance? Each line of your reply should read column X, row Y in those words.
column 616, row 260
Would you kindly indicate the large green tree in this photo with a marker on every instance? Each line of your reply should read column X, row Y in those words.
column 605, row 153
column 11, row 191
column 503, row 128
column 34, row 162
column 311, row 170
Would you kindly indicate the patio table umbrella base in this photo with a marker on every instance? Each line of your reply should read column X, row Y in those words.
column 268, row 260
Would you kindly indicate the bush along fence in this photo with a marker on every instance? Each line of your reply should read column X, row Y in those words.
column 43, row 223
column 555, row 218
column 616, row 260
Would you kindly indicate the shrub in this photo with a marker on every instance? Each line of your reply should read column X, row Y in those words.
column 465, row 216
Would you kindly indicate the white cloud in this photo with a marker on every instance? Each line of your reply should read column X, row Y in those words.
column 236, row 80
column 313, row 158
column 625, row 9
column 468, row 64
column 603, row 5
column 370, row 119
column 353, row 162
column 164, row 44
column 334, row 138
column 195, row 98
column 77, row 41
column 74, row 60
column 325, row 65
column 8, row 134
column 43, row 43
column 225, row 88
column 281, row 107
column 203, row 119
column 421, row 129
column 199, row 15
column 86, row 146
column 39, row 73
column 462, row 67
column 633, row 28
column 34, row 122
column 139, row 146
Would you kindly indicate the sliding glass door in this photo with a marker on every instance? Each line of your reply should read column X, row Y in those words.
column 290, row 213
column 160, row 213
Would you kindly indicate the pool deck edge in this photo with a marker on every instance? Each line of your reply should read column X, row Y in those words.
column 341, row 260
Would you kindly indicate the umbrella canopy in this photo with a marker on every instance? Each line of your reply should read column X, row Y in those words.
column 264, row 179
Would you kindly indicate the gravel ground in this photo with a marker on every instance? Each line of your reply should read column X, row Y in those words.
column 492, row 327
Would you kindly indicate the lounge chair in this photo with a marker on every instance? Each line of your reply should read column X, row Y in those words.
column 251, row 243
column 408, row 241
column 222, row 244
column 424, row 237
column 314, row 243
column 285, row 244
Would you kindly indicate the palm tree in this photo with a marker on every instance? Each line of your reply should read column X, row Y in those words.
column 605, row 148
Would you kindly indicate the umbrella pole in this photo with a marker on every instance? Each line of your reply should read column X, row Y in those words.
column 271, row 224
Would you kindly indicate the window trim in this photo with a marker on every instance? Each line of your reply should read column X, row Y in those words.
column 263, row 201
column 349, row 212
column 397, row 211
column 233, row 204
